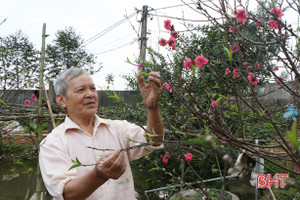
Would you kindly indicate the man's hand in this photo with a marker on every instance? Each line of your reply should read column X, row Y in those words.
column 111, row 165
column 150, row 91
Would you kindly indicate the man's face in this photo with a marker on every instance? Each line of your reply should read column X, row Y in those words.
column 81, row 99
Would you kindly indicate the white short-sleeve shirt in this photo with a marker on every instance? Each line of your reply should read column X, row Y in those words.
column 68, row 141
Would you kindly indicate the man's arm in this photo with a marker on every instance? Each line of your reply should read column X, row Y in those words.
column 151, row 93
column 111, row 166
column 155, row 124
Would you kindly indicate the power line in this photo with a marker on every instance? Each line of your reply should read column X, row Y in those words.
column 173, row 6
column 182, row 19
column 130, row 43
column 101, row 46
column 97, row 36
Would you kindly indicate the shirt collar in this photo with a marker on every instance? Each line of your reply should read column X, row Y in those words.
column 69, row 124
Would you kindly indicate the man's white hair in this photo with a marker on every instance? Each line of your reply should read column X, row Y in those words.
column 62, row 81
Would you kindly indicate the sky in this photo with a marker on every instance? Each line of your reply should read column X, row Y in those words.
column 89, row 18
column 92, row 17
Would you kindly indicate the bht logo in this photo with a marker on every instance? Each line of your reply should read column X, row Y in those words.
column 263, row 181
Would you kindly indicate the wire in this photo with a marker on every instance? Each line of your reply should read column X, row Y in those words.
column 182, row 19
column 130, row 43
column 173, row 6
column 97, row 36
column 100, row 46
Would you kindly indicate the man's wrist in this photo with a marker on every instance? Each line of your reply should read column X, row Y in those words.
column 99, row 176
column 152, row 107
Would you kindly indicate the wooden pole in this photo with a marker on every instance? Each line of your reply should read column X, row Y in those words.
column 144, row 34
column 39, row 180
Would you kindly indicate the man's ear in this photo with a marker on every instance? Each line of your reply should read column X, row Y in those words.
column 60, row 100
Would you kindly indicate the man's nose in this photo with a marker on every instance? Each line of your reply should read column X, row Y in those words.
column 90, row 93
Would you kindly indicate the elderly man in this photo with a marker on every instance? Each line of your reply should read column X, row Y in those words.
column 106, row 174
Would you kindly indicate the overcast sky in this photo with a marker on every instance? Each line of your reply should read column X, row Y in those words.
column 88, row 18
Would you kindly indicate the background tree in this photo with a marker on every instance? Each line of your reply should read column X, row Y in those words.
column 19, row 60
column 67, row 51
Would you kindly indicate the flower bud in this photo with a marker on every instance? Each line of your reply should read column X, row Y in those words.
column 227, row 158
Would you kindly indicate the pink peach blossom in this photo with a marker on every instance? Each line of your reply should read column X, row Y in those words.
column 235, row 73
column 252, row 79
column 172, row 42
column 234, row 48
column 188, row 63
column 167, row 24
column 27, row 102
column 241, row 15
column 162, row 42
column 167, row 86
column 214, row 104
column 277, row 12
column 165, row 160
column 201, row 60
column 258, row 24
column 227, row 71
column 188, row 156
column 174, row 34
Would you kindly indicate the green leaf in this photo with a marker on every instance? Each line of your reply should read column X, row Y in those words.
column 219, row 99
column 77, row 164
column 225, row 114
column 128, row 61
column 20, row 163
column 31, row 125
column 153, row 169
column 262, row 113
column 251, row 112
column 13, row 169
column 213, row 169
column 74, row 166
column 77, row 161
column 234, row 107
column 196, row 108
column 3, row 103
column 216, row 86
column 115, row 96
column 147, row 137
column 142, row 74
column 292, row 136
column 29, row 169
column 198, row 141
column 173, row 127
column 194, row 67
column 229, row 53
column 190, row 119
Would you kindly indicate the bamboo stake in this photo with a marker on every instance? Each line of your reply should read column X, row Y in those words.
column 49, row 107
column 40, row 114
